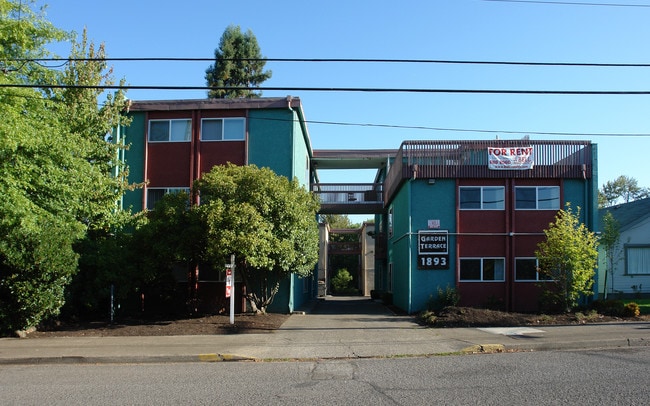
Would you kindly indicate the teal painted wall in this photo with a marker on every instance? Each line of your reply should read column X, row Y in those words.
column 282, row 301
column 399, row 247
column 432, row 202
column 303, row 289
column 415, row 203
column 300, row 154
column 270, row 140
column 134, row 156
column 276, row 141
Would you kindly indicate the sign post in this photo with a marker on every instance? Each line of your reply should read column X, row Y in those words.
column 230, row 283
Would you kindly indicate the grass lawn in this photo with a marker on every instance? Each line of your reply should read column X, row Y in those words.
column 644, row 305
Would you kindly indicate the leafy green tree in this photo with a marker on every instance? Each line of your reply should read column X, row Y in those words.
column 171, row 236
column 53, row 176
column 568, row 257
column 91, row 121
column 239, row 64
column 266, row 220
column 623, row 188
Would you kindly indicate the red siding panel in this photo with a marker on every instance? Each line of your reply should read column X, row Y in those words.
column 220, row 153
column 169, row 164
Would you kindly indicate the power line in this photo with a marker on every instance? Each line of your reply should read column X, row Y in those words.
column 339, row 60
column 572, row 3
column 424, row 128
column 337, row 89
column 469, row 130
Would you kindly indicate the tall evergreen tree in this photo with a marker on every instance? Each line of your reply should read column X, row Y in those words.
column 238, row 64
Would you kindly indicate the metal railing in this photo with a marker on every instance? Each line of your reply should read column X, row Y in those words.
column 350, row 198
column 469, row 159
column 349, row 193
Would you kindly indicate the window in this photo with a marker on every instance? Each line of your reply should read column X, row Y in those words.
column 155, row 194
column 482, row 269
column 537, row 197
column 481, row 197
column 223, row 129
column 170, row 130
column 637, row 260
column 390, row 222
column 526, row 270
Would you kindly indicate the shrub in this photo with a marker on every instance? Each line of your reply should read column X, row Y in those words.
column 447, row 297
column 609, row 307
column 587, row 316
column 631, row 310
column 427, row 317
column 341, row 281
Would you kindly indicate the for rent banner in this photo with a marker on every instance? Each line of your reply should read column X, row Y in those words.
column 518, row 158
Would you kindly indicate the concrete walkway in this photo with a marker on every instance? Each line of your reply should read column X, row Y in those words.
column 335, row 327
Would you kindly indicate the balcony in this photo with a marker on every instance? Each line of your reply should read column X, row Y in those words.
column 469, row 159
column 349, row 198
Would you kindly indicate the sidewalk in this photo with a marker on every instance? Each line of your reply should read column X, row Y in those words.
column 333, row 328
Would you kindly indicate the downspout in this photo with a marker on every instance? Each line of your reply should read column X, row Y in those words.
column 120, row 161
column 589, row 222
column 293, row 165
column 410, row 240
column 246, row 137
column 303, row 125
column 510, row 247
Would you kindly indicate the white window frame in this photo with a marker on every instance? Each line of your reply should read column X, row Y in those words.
column 482, row 198
column 539, row 277
column 224, row 136
column 639, row 264
column 166, row 190
column 537, row 199
column 482, row 259
column 170, row 121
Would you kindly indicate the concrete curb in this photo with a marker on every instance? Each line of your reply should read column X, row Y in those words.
column 582, row 345
column 484, row 349
column 622, row 343
column 128, row 359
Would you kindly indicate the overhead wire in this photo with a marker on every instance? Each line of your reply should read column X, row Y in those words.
column 469, row 130
column 338, row 60
column 572, row 3
column 424, row 128
column 332, row 89
column 372, row 90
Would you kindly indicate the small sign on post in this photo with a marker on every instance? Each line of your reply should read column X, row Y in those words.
column 228, row 281
column 230, row 292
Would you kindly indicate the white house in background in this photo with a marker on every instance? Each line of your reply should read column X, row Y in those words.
column 631, row 273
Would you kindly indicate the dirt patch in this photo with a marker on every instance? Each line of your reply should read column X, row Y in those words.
column 209, row 325
column 472, row 317
column 266, row 323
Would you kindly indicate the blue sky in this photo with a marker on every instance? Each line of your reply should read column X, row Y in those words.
column 471, row 30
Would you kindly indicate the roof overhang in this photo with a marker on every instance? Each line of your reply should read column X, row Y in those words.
column 217, row 104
